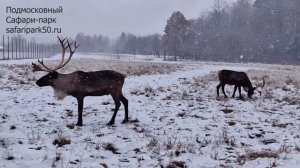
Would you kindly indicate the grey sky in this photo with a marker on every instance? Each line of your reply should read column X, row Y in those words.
column 110, row 17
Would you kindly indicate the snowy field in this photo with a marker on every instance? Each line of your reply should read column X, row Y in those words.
column 176, row 120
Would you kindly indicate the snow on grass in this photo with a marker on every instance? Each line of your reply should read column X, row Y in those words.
column 175, row 119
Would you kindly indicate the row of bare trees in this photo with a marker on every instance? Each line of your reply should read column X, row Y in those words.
column 126, row 43
column 248, row 31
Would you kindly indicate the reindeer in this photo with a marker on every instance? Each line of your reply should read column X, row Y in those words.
column 80, row 84
column 238, row 79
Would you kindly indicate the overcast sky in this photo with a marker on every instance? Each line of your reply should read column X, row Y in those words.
column 108, row 17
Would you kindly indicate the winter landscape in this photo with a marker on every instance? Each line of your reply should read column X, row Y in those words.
column 176, row 119
column 170, row 54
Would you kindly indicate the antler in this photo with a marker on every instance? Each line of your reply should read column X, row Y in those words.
column 63, row 51
column 62, row 63
column 71, row 54
column 261, row 85
column 35, row 67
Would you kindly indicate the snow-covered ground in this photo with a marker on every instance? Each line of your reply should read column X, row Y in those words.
column 176, row 118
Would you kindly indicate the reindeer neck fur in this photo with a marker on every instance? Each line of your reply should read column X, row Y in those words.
column 63, row 85
column 247, row 85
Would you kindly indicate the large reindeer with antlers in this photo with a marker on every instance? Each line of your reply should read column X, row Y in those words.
column 80, row 84
column 238, row 79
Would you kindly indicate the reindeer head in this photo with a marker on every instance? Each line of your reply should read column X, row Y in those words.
column 50, row 78
column 250, row 91
column 47, row 80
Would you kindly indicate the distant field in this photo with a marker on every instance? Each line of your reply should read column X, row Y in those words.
column 175, row 117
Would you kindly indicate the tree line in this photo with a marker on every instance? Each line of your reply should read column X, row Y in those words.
column 265, row 31
column 260, row 31
column 126, row 43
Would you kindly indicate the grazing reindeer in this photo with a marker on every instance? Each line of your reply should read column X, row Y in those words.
column 80, row 84
column 238, row 79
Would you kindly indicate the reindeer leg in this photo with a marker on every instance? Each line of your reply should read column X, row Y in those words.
column 234, row 90
column 80, row 109
column 125, row 103
column 218, row 88
column 117, row 106
column 223, row 87
column 240, row 92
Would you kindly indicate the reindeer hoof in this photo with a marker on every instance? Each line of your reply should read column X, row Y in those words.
column 79, row 124
column 110, row 123
column 125, row 121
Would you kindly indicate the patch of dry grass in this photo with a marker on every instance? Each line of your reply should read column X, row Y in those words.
column 14, row 76
column 276, row 78
column 129, row 68
column 61, row 141
column 265, row 153
column 111, row 147
column 176, row 164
